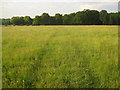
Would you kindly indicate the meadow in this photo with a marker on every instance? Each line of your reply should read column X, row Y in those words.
column 60, row 56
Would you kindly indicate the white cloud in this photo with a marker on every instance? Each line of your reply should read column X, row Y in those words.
column 36, row 8
column 110, row 6
column 60, row 0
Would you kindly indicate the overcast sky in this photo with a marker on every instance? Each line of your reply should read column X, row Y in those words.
column 9, row 8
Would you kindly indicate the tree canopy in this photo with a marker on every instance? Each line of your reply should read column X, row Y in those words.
column 85, row 17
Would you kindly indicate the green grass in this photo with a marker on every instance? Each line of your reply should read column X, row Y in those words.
column 60, row 56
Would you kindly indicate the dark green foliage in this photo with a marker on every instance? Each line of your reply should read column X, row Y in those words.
column 5, row 22
column 27, row 20
column 52, row 20
column 77, row 18
column 66, row 19
column 95, row 17
column 45, row 19
column 88, row 17
column 118, row 17
column 104, row 17
column 0, row 21
column 71, row 20
column 113, row 19
column 85, row 17
column 58, row 19
column 36, row 20
column 17, row 20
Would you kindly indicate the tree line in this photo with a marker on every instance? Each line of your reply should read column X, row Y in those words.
column 85, row 17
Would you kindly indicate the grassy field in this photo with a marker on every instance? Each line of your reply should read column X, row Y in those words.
column 60, row 56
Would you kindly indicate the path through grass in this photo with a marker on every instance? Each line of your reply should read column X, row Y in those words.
column 60, row 56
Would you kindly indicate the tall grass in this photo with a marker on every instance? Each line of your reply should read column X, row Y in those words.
column 60, row 56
